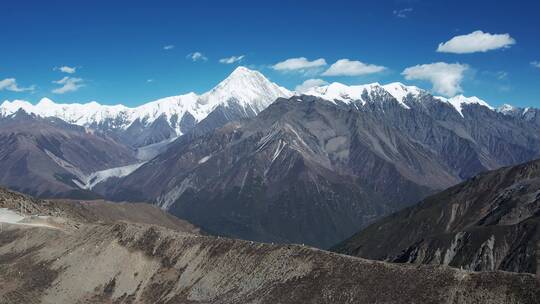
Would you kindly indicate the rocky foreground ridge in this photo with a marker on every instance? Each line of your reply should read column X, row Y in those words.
column 78, row 258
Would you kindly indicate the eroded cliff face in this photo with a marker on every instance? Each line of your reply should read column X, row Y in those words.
column 67, row 252
column 490, row 222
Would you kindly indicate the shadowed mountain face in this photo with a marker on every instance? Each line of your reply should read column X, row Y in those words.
column 74, row 258
column 308, row 170
column 490, row 222
column 43, row 156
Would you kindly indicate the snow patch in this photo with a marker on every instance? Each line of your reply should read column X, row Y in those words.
column 9, row 216
column 166, row 200
column 148, row 152
column 204, row 159
column 89, row 181
column 280, row 146
column 98, row 177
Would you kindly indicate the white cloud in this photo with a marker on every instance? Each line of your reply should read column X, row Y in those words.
column 196, row 56
column 149, row 80
column 168, row 47
column 69, row 84
column 346, row 67
column 402, row 13
column 536, row 64
column 299, row 64
column 445, row 77
column 66, row 69
column 310, row 83
column 232, row 59
column 477, row 41
column 10, row 84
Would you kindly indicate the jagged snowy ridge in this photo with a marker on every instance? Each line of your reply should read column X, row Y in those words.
column 375, row 91
column 249, row 89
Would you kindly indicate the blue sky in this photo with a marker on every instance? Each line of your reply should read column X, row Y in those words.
column 116, row 47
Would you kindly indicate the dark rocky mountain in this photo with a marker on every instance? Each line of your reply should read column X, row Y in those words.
column 490, row 222
column 69, row 257
column 47, row 156
column 314, row 171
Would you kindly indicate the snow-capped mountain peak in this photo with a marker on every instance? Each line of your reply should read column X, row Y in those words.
column 347, row 94
column 508, row 109
column 10, row 107
column 44, row 102
column 458, row 101
column 249, row 89
column 340, row 92
column 400, row 91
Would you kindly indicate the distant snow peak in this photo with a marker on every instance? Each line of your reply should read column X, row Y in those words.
column 344, row 93
column 362, row 94
column 458, row 101
column 400, row 91
column 507, row 109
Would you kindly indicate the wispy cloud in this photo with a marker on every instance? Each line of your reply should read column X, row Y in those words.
column 69, row 84
column 505, row 88
column 403, row 13
column 501, row 75
column 66, row 69
column 149, row 80
column 196, row 56
column 536, row 64
column 476, row 41
column 445, row 77
column 346, row 67
column 168, row 47
column 300, row 64
column 310, row 83
column 232, row 59
column 10, row 84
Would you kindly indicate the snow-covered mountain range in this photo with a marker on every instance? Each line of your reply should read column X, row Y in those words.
column 244, row 88
column 246, row 91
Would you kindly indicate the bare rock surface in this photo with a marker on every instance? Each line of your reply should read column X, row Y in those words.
column 490, row 222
